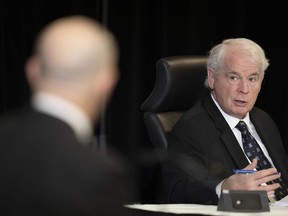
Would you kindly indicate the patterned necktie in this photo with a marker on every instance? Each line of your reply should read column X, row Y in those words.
column 253, row 150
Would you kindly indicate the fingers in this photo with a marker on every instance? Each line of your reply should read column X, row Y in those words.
column 262, row 176
column 254, row 181
column 266, row 175
column 270, row 189
column 252, row 165
column 271, row 194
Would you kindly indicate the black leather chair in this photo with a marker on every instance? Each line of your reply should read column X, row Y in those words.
column 179, row 84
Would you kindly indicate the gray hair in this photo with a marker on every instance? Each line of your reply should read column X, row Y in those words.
column 216, row 57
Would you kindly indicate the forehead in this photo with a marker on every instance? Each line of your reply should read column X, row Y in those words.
column 241, row 63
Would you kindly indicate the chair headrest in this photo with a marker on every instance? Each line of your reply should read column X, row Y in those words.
column 179, row 83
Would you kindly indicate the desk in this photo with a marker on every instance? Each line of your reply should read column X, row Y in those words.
column 194, row 209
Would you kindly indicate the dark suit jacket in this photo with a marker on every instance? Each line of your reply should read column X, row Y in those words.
column 203, row 151
column 45, row 171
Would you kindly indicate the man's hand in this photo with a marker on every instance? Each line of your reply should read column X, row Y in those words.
column 253, row 181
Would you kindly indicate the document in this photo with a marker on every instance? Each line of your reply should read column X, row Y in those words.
column 275, row 209
column 282, row 202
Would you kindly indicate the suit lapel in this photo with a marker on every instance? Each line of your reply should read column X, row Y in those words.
column 234, row 148
column 229, row 140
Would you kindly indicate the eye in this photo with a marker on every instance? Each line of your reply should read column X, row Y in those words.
column 233, row 78
column 253, row 78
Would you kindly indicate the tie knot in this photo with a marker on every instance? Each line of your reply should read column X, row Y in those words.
column 241, row 126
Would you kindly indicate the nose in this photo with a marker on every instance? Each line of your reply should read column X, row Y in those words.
column 243, row 86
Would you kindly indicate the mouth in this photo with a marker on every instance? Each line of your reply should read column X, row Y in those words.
column 240, row 103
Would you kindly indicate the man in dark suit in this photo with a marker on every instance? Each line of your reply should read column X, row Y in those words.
column 47, row 166
column 205, row 145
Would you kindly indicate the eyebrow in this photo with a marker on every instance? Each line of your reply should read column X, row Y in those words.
column 238, row 74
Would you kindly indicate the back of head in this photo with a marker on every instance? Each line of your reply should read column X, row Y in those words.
column 73, row 47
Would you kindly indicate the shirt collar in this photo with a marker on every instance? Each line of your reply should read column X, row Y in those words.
column 231, row 120
column 66, row 111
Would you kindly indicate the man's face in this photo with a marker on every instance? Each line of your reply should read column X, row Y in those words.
column 236, row 87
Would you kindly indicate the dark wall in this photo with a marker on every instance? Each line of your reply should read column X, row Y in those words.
column 146, row 31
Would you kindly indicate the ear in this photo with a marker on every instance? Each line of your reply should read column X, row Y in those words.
column 32, row 71
column 106, row 81
column 210, row 77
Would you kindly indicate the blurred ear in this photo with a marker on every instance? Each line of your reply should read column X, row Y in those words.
column 106, row 82
column 210, row 77
column 32, row 71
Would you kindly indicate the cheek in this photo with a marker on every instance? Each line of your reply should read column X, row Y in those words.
column 224, row 89
column 255, row 90
column 255, row 95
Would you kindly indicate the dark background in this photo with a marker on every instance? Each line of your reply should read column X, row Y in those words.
column 147, row 30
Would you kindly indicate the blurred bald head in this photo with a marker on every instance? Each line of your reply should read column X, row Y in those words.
column 76, row 58
column 74, row 46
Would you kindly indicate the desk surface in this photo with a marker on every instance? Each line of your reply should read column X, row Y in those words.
column 194, row 209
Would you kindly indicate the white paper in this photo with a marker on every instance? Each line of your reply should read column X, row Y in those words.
column 205, row 209
column 282, row 202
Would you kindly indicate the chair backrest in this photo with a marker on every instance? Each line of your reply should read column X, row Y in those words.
column 179, row 84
